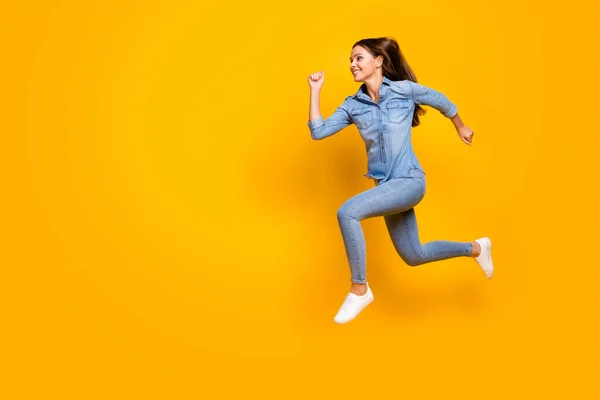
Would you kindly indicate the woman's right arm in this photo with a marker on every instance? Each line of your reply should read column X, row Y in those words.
column 320, row 128
column 430, row 97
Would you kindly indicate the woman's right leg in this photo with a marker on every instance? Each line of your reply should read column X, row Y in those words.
column 404, row 233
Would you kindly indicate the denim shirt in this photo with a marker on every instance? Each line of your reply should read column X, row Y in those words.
column 385, row 127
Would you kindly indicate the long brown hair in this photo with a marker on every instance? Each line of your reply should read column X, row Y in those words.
column 395, row 67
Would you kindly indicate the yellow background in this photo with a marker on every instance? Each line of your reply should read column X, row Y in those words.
column 169, row 227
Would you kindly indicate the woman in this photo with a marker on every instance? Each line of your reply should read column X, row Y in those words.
column 384, row 109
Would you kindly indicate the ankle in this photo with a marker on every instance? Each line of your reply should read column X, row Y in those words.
column 476, row 249
column 358, row 289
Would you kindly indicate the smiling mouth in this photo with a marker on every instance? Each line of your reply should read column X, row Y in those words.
column 355, row 72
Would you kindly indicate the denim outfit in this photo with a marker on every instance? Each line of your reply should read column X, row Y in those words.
column 385, row 128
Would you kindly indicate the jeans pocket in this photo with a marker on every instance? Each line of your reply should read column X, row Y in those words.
column 416, row 173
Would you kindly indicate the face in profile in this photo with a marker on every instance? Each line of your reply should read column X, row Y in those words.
column 362, row 63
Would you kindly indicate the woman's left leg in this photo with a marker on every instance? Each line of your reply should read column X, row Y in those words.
column 393, row 196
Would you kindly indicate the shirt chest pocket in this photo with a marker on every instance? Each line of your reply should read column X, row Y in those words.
column 397, row 110
column 362, row 117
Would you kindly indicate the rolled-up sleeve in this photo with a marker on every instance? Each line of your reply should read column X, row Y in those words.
column 321, row 128
column 429, row 97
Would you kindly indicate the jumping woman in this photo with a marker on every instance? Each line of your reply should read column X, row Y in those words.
column 384, row 110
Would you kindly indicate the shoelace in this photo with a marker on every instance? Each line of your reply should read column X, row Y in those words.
column 347, row 302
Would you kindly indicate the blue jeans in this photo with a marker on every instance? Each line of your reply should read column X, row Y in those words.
column 394, row 200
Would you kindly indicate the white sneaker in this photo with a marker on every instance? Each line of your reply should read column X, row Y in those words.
column 352, row 306
column 485, row 258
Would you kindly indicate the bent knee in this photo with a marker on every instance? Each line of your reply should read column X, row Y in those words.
column 412, row 261
column 345, row 212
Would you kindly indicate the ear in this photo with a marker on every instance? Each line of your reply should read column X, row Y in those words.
column 379, row 61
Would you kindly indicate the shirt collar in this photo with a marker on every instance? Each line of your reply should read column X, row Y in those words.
column 360, row 92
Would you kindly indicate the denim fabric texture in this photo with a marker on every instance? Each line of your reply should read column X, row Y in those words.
column 385, row 127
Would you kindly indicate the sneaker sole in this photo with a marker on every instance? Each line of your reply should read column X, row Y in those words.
column 488, row 260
